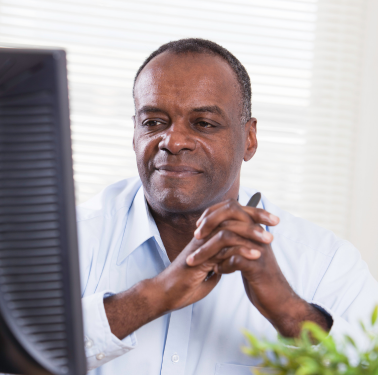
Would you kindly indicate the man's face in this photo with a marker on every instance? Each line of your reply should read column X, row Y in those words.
column 188, row 139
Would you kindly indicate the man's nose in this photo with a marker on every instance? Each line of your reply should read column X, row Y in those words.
column 177, row 138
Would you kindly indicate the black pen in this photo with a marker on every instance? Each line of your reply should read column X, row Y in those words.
column 253, row 202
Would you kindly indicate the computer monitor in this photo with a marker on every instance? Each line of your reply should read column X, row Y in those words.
column 40, row 305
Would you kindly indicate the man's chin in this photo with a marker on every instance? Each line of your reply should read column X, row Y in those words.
column 177, row 200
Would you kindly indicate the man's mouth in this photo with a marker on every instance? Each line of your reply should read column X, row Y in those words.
column 179, row 171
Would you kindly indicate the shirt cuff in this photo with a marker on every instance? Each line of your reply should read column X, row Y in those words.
column 342, row 327
column 326, row 315
column 101, row 346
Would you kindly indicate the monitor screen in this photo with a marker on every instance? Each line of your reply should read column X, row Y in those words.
column 40, row 304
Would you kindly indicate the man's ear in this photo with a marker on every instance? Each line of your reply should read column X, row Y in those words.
column 251, row 140
column 133, row 117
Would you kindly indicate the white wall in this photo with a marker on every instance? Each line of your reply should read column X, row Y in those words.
column 363, row 217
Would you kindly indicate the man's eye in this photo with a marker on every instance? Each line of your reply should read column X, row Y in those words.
column 152, row 123
column 205, row 124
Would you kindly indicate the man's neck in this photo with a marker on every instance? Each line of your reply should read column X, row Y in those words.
column 176, row 231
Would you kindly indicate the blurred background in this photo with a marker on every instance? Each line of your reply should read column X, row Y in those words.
column 314, row 72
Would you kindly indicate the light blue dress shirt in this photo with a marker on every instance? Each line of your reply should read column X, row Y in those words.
column 120, row 245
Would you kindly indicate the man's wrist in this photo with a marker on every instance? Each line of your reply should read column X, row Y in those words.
column 289, row 321
column 152, row 293
column 129, row 310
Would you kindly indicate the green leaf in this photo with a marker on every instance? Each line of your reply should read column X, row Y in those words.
column 299, row 356
column 308, row 366
column 374, row 316
column 350, row 340
column 317, row 332
column 363, row 327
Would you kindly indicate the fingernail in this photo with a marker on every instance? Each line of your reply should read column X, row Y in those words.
column 255, row 253
column 197, row 233
column 267, row 236
column 190, row 259
column 274, row 218
column 199, row 221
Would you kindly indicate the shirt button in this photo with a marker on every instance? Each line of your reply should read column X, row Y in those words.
column 175, row 358
column 100, row 356
column 88, row 344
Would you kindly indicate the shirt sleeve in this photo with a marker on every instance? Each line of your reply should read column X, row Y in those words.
column 101, row 345
column 349, row 293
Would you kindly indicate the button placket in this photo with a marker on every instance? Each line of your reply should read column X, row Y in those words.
column 177, row 342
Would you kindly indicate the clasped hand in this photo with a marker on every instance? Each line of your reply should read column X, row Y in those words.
column 229, row 238
column 234, row 238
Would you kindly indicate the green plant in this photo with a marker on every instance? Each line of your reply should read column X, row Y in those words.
column 300, row 356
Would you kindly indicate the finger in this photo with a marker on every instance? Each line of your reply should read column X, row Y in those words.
column 261, row 216
column 232, row 264
column 230, row 210
column 223, row 238
column 209, row 210
column 256, row 213
column 252, row 232
column 216, row 207
column 228, row 252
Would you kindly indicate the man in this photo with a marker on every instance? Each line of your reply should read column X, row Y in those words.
column 148, row 244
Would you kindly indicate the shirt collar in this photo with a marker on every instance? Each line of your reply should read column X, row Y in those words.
column 141, row 226
column 243, row 197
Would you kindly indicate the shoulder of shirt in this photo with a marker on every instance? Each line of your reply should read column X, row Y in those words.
column 114, row 198
column 301, row 232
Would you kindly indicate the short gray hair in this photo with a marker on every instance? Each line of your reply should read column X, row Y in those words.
column 196, row 45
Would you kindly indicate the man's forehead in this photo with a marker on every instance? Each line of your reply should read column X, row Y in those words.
column 168, row 62
column 187, row 76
